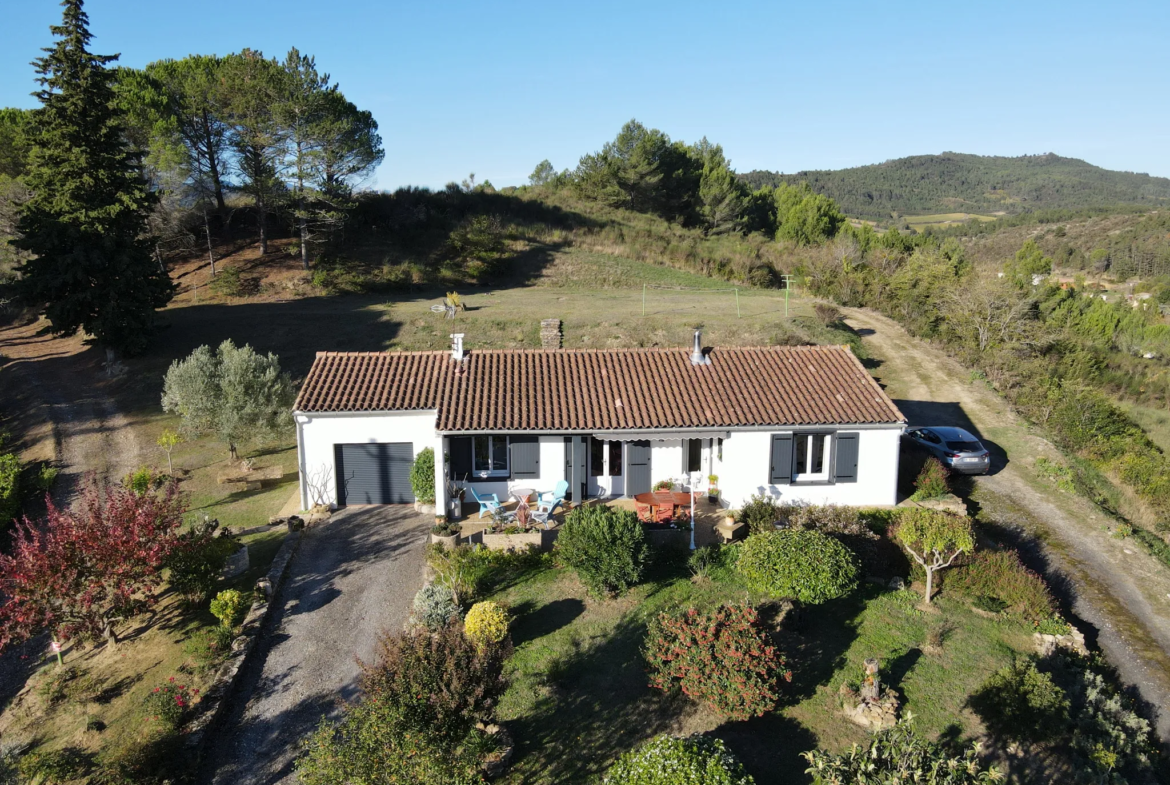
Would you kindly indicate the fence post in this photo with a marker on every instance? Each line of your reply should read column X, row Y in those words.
column 738, row 315
column 643, row 299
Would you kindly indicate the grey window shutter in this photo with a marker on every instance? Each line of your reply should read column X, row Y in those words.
column 781, row 459
column 525, row 457
column 845, row 464
column 459, row 448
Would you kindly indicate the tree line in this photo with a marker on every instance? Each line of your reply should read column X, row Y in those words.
column 114, row 159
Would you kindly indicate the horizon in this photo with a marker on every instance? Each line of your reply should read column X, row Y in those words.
column 495, row 90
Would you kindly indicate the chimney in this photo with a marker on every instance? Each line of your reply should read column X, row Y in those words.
column 457, row 347
column 697, row 356
column 550, row 334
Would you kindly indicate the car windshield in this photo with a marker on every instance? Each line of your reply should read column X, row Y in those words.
column 965, row 446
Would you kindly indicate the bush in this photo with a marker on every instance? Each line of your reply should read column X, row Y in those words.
column 932, row 481
column 760, row 514
column 208, row 647
column 605, row 546
column 143, row 480
column 896, row 756
column 170, row 703
column 472, row 571
column 721, row 658
column 486, row 624
column 1001, row 576
column 440, row 684
column 803, row 565
column 53, row 767
column 197, row 561
column 227, row 606
column 846, row 525
column 9, row 489
column 434, row 607
column 422, row 476
column 46, row 477
column 227, row 282
column 665, row 760
column 1019, row 703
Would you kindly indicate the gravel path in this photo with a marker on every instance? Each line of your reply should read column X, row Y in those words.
column 353, row 577
column 1118, row 591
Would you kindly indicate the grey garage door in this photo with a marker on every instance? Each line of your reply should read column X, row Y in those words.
column 374, row 473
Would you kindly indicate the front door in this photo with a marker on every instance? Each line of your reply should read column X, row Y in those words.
column 606, row 466
column 637, row 468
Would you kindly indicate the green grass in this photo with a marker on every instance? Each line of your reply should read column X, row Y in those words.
column 1154, row 421
column 579, row 694
column 921, row 221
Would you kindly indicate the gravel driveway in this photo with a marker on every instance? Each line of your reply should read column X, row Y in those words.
column 352, row 578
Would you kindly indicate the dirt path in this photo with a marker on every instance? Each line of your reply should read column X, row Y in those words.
column 1119, row 590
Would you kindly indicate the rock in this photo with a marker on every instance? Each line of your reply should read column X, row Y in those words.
column 264, row 588
column 237, row 564
column 276, row 520
column 295, row 523
column 897, row 584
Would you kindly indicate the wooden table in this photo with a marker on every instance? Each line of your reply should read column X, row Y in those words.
column 656, row 499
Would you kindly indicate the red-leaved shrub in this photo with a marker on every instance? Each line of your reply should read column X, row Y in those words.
column 1001, row 576
column 720, row 657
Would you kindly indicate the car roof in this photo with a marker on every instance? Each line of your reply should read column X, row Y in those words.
column 951, row 433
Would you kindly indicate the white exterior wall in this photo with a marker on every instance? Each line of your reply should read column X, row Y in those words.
column 746, row 469
column 318, row 433
column 552, row 470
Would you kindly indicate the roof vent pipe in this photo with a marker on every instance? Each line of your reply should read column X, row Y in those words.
column 697, row 356
column 457, row 347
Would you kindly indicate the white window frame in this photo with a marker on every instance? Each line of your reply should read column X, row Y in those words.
column 484, row 473
column 826, row 455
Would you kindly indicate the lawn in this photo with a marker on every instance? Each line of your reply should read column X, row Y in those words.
column 579, row 694
column 944, row 219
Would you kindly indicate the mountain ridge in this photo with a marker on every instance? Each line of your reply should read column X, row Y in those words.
column 963, row 182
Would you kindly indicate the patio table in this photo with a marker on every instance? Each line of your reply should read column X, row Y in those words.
column 656, row 499
column 521, row 495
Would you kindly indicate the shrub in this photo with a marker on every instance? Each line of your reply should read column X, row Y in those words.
column 434, row 606
column 1000, row 575
column 803, row 565
column 227, row 606
column 760, row 514
column 605, row 546
column 439, row 683
column 846, row 525
column 703, row 561
column 53, row 767
column 896, row 756
column 721, row 658
column 143, row 480
column 208, row 647
column 477, row 245
column 170, row 703
column 666, row 760
column 46, row 477
column 227, row 282
column 9, row 489
column 932, row 481
column 1020, row 703
column 486, row 624
column 422, row 476
column 197, row 561
column 471, row 571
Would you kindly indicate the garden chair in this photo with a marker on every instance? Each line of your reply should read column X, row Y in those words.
column 555, row 495
column 665, row 514
column 645, row 515
column 544, row 512
column 488, row 503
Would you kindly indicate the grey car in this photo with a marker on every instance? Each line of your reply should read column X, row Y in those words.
column 958, row 450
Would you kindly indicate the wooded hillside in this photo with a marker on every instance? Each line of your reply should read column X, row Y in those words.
column 950, row 182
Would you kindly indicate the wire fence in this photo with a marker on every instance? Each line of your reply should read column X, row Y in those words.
column 754, row 293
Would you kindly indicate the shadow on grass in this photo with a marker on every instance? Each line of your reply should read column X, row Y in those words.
column 770, row 748
column 532, row 623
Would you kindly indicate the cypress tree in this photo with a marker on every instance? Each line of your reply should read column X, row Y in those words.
column 86, row 219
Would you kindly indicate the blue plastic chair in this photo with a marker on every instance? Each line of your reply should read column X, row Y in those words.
column 488, row 503
column 556, row 495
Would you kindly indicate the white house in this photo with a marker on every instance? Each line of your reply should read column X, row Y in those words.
column 806, row 424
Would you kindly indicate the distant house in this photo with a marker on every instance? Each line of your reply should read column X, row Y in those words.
column 805, row 424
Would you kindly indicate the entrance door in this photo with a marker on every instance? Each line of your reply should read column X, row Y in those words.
column 637, row 468
column 374, row 473
column 606, row 467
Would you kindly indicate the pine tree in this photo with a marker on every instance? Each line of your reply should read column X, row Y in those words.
column 86, row 219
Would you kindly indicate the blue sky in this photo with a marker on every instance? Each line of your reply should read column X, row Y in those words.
column 494, row 87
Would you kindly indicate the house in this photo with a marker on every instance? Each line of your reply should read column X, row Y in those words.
column 806, row 424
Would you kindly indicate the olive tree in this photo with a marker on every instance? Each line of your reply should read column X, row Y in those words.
column 234, row 393
column 935, row 539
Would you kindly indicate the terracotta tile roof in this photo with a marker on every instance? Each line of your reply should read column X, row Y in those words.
column 604, row 389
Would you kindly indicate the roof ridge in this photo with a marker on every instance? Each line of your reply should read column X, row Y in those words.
column 588, row 350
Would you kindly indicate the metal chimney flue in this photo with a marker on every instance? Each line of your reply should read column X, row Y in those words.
column 697, row 356
column 457, row 347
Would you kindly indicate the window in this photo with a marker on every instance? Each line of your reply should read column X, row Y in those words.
column 596, row 457
column 490, row 456
column 615, row 459
column 811, row 457
column 694, row 456
column 719, row 451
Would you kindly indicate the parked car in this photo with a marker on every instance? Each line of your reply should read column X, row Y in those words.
column 958, row 450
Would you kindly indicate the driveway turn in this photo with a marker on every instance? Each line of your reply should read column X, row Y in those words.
column 353, row 577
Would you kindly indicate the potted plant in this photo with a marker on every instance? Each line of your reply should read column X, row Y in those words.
column 664, row 485
column 445, row 533
column 713, row 488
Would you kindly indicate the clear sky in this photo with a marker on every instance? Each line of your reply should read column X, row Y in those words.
column 494, row 87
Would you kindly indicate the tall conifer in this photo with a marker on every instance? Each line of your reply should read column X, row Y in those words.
column 86, row 219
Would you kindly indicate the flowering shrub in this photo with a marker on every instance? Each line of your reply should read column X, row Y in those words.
column 720, row 657
column 226, row 607
column 434, row 606
column 665, row 760
column 170, row 703
column 486, row 624
column 805, row 565
column 931, row 482
column 1000, row 575
column 605, row 546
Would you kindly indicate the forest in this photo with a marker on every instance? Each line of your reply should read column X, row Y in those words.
column 950, row 182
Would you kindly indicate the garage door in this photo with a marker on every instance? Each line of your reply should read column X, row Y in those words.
column 374, row 473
